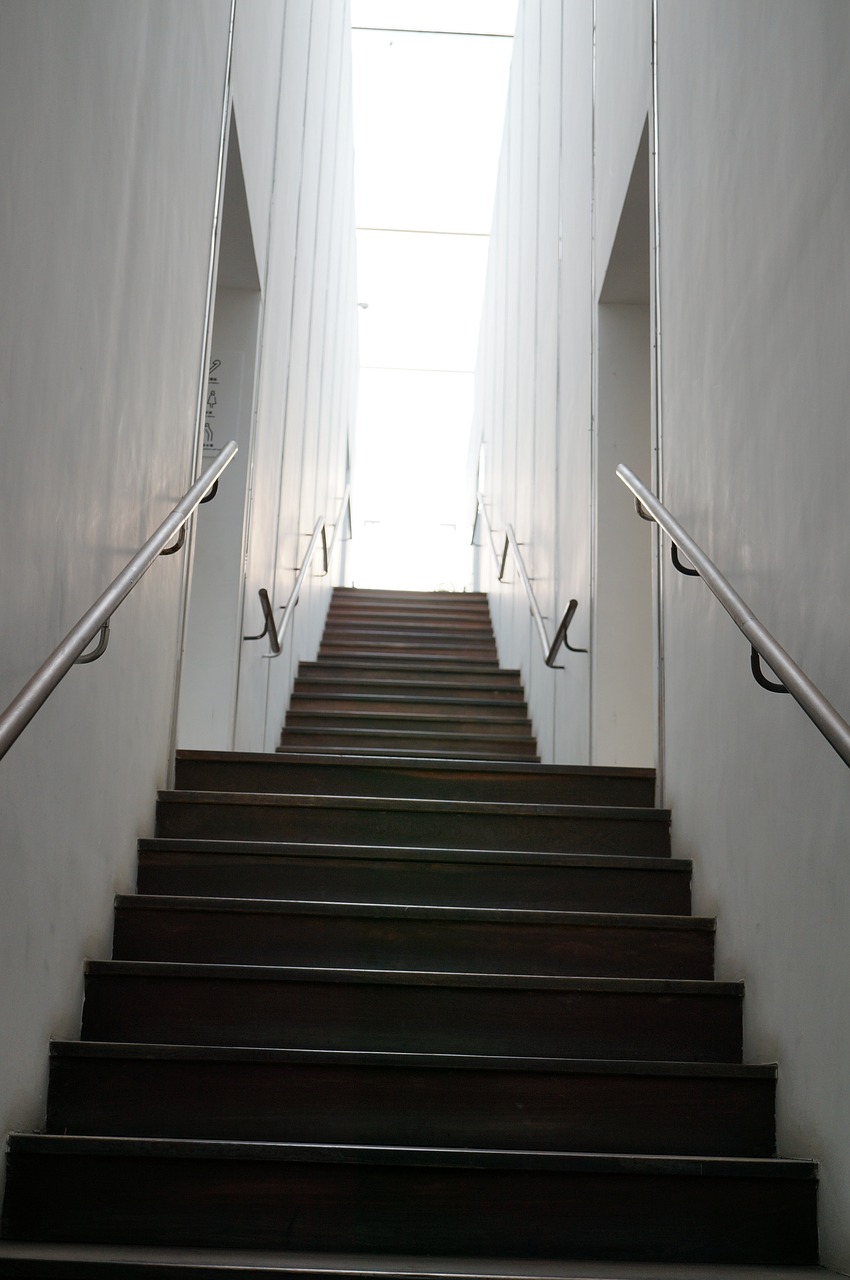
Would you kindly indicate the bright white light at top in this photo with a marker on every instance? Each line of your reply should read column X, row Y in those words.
column 428, row 113
column 424, row 294
column 497, row 16
column 427, row 129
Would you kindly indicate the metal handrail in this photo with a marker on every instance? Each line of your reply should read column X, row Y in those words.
column 834, row 728
column 319, row 535
column 550, row 651
column 95, row 620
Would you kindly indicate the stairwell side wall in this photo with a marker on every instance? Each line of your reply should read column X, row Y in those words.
column 754, row 114
column 308, row 351
column 110, row 120
column 534, row 363
column 105, row 226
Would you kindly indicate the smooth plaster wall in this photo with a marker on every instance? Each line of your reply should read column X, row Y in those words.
column 106, row 212
column 755, row 270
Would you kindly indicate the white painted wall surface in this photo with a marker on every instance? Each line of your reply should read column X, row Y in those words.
column 756, row 280
column 110, row 118
column 308, row 370
column 533, row 401
column 573, row 441
column 622, row 101
column 105, row 225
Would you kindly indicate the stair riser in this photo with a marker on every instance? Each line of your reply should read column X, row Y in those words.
column 441, row 723
column 533, row 832
column 402, row 596
column 480, row 710
column 457, row 630
column 446, row 746
column 295, row 746
column 412, row 655
column 222, row 937
column 394, row 1017
column 340, row 622
column 404, row 609
column 385, row 639
column 431, row 884
column 365, row 672
column 312, row 778
column 382, row 640
column 460, row 606
column 398, row 690
column 272, row 1205
column 408, row 1106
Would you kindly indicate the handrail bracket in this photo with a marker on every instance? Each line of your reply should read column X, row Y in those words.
column 319, row 534
column 773, row 686
column 550, row 651
column 763, row 646
column 677, row 563
column 100, row 648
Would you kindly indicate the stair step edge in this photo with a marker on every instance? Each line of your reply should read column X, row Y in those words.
column 282, row 799
column 403, row 911
column 387, row 762
column 517, row 857
column 432, row 1157
column 74, row 1261
column 664, row 987
column 413, row 1061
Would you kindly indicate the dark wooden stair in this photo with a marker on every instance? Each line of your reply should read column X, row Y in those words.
column 421, row 998
column 449, row 697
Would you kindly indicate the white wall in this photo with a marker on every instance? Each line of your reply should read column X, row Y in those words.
column 298, row 370
column 110, row 123
column 754, row 264
column 308, row 364
column 534, row 376
column 105, row 225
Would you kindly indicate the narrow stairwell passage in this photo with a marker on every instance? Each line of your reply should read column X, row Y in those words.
column 401, row 675
column 413, row 995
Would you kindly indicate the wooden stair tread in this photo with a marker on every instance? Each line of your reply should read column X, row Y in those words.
column 400, row 911
column 667, row 987
column 414, row 1060
column 637, row 814
column 339, row 670
column 450, row 754
column 331, row 773
column 502, row 725
column 407, row 700
column 24, row 1260
column 465, row 1010
column 503, row 857
column 437, row 766
column 270, row 931
column 430, row 1157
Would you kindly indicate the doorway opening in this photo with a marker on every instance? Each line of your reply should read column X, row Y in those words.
column 623, row 721
column 209, row 679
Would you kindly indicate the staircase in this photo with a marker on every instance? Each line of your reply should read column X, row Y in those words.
column 399, row 989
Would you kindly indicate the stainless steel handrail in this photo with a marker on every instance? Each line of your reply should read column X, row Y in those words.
column 276, row 634
column 550, row 650
column 834, row 728
column 38, row 689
